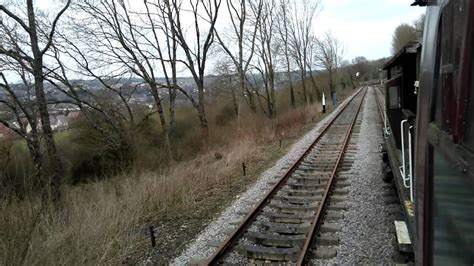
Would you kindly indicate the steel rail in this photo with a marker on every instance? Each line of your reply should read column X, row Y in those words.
column 382, row 114
column 230, row 241
column 318, row 217
column 379, row 105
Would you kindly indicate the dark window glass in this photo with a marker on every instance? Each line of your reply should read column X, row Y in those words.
column 451, row 36
column 394, row 97
column 453, row 214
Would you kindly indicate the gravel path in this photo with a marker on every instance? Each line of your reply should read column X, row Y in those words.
column 366, row 237
column 216, row 230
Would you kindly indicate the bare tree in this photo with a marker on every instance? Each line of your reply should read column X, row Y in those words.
column 301, row 34
column 28, row 53
column 107, row 108
column 350, row 72
column 329, row 56
column 196, row 49
column 168, row 53
column 311, row 63
column 225, row 84
column 243, row 23
column 266, row 51
column 117, row 39
column 283, row 24
column 19, row 115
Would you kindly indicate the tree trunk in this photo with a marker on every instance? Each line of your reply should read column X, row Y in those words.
column 287, row 59
column 172, row 94
column 34, row 149
column 248, row 93
column 201, row 110
column 316, row 89
column 290, row 79
column 272, row 90
column 303, row 85
column 261, row 105
column 333, row 90
column 352, row 81
column 292, row 95
column 269, row 101
column 172, row 122
column 162, row 117
column 54, row 160
column 174, row 80
column 234, row 101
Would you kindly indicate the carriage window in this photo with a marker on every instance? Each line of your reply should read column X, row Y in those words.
column 394, row 97
column 453, row 215
column 452, row 30
column 452, row 230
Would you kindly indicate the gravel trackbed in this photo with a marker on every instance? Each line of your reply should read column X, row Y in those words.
column 201, row 247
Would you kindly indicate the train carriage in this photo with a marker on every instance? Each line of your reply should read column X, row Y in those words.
column 430, row 134
column 399, row 122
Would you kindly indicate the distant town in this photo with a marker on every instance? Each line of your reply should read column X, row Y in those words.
column 63, row 112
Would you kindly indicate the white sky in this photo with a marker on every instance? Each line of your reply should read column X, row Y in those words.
column 365, row 26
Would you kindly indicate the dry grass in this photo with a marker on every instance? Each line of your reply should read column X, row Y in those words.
column 104, row 222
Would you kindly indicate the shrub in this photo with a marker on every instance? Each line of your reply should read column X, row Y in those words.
column 225, row 115
column 16, row 171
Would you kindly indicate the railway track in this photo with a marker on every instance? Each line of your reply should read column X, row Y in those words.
column 292, row 223
column 379, row 99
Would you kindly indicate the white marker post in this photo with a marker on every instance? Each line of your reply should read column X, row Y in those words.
column 324, row 103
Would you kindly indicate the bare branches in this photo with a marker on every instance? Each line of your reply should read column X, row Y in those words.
column 53, row 27
column 150, row 43
column 32, row 63
column 329, row 52
column 245, row 26
column 301, row 35
column 329, row 56
column 15, row 17
column 196, row 49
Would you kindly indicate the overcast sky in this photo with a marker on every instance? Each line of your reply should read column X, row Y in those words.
column 365, row 26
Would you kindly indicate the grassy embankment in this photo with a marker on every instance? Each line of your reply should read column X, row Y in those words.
column 105, row 222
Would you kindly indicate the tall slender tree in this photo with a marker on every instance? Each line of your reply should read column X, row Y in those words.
column 266, row 50
column 329, row 56
column 245, row 19
column 197, row 48
column 301, row 32
column 283, row 23
column 29, row 53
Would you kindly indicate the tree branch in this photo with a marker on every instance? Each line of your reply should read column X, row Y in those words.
column 53, row 27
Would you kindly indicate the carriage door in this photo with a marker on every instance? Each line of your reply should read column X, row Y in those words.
column 451, row 139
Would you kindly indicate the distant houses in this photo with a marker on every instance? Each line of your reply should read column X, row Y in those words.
column 5, row 132
column 62, row 122
column 59, row 122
